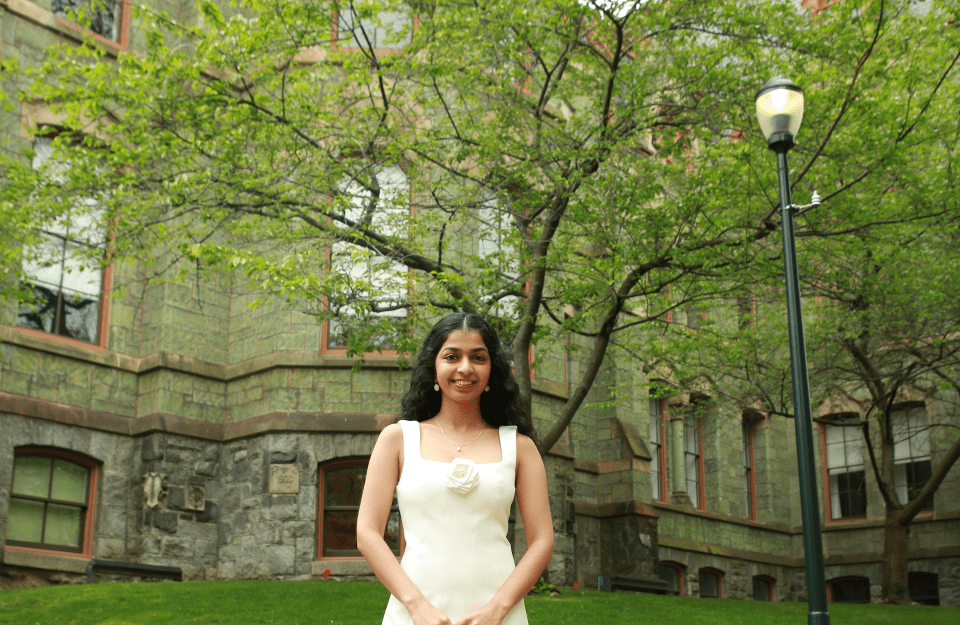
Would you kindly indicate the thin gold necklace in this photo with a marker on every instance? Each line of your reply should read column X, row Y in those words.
column 455, row 444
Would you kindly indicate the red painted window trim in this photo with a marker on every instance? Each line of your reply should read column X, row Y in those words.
column 86, row 541
column 321, row 468
column 122, row 44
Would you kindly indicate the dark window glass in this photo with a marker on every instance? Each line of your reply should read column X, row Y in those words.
column 852, row 493
column 709, row 584
column 850, row 590
column 762, row 588
column 924, row 588
column 691, row 458
column 673, row 575
column 342, row 484
column 656, row 450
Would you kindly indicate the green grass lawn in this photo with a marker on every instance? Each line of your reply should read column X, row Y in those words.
column 362, row 603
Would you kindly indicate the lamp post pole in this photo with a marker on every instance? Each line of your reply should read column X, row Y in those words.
column 780, row 124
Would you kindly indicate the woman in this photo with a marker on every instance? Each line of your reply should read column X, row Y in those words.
column 460, row 453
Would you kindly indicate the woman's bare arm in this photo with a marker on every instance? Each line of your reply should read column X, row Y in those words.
column 383, row 472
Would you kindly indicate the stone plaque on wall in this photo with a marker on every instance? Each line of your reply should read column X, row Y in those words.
column 194, row 497
column 284, row 478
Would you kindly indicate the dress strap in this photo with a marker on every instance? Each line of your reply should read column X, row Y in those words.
column 508, row 444
column 411, row 439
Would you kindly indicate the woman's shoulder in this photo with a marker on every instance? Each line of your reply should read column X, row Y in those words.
column 392, row 434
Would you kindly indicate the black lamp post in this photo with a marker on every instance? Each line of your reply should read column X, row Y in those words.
column 780, row 111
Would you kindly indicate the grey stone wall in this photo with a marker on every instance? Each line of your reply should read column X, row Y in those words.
column 113, row 453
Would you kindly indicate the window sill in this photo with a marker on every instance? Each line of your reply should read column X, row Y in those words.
column 341, row 567
column 42, row 559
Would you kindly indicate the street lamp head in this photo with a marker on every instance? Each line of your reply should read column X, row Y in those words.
column 780, row 111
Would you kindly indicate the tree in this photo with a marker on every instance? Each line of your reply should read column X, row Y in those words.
column 569, row 164
column 882, row 312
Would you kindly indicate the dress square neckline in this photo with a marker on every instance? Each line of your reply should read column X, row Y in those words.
column 479, row 464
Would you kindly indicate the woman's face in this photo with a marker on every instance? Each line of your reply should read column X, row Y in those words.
column 463, row 366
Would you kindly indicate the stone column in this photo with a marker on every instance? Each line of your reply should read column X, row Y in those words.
column 676, row 475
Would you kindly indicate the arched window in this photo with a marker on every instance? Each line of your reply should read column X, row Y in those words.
column 763, row 588
column 711, row 583
column 51, row 501
column 849, row 589
column 672, row 573
column 341, row 484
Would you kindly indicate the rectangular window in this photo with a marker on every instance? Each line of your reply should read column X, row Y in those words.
column 911, row 453
column 375, row 287
column 383, row 31
column 845, row 470
column 749, row 483
column 63, row 270
column 657, row 460
column 692, row 458
column 341, row 484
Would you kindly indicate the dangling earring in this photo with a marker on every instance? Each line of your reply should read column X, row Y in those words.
column 486, row 389
column 436, row 386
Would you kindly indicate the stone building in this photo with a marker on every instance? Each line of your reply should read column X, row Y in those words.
column 176, row 425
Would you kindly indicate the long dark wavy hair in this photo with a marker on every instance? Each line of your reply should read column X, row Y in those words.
column 500, row 405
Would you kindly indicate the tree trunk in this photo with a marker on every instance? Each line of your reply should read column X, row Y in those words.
column 896, row 538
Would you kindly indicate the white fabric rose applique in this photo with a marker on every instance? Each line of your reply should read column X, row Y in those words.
column 462, row 476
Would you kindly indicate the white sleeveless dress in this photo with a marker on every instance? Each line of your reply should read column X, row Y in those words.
column 454, row 519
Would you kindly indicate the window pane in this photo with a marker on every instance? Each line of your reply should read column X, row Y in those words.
column 25, row 521
column 709, row 585
column 39, row 315
column 80, row 317
column 672, row 576
column 343, row 486
column 101, row 16
column 761, row 589
column 31, row 476
column 382, row 33
column 851, row 590
column 63, row 525
column 340, row 533
column 78, row 276
column 69, row 482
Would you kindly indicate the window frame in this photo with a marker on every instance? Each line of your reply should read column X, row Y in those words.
column 769, row 584
column 834, row 510
column 850, row 582
column 325, row 340
column 88, row 514
column 698, row 479
column 906, row 461
column 106, row 282
column 748, row 426
column 717, row 575
column 658, row 411
column 341, row 463
column 680, row 569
